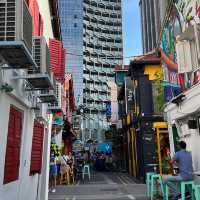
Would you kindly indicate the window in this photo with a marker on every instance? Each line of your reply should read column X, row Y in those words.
column 75, row 24
column 12, row 158
column 37, row 148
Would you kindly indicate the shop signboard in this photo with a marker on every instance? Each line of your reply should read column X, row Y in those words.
column 77, row 146
column 108, row 110
column 129, row 95
column 104, row 147
column 58, row 119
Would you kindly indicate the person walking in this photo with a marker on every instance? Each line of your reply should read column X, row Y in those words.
column 183, row 160
column 52, row 172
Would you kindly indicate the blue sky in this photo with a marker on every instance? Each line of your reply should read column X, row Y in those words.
column 131, row 28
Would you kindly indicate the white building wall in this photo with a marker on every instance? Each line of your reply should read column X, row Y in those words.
column 21, row 188
column 45, row 12
column 179, row 115
column 26, row 187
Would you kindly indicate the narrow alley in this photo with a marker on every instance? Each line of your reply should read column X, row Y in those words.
column 107, row 186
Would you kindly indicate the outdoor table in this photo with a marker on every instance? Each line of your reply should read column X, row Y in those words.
column 197, row 173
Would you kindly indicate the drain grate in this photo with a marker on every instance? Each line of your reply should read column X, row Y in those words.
column 109, row 190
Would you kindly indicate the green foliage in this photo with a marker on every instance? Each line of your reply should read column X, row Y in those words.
column 6, row 88
column 159, row 99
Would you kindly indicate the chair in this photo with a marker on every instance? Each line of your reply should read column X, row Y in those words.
column 196, row 190
column 183, row 186
column 154, row 178
column 148, row 182
column 86, row 171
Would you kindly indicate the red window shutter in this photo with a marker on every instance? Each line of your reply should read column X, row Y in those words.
column 41, row 26
column 12, row 159
column 37, row 148
column 34, row 10
column 57, row 59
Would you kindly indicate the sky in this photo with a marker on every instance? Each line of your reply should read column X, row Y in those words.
column 131, row 29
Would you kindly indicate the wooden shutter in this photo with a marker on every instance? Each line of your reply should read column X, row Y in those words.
column 57, row 59
column 12, row 159
column 37, row 148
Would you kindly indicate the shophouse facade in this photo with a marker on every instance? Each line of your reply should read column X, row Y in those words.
column 141, row 99
column 180, row 57
column 27, row 97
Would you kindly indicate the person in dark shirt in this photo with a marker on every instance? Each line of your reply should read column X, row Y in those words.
column 183, row 159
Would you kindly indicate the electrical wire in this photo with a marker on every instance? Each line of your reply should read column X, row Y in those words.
column 69, row 53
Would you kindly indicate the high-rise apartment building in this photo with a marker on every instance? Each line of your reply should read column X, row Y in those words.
column 150, row 23
column 93, row 30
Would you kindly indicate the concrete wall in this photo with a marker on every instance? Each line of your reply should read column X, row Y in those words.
column 45, row 12
column 114, row 102
column 179, row 115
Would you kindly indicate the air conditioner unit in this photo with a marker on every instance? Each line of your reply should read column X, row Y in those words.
column 41, row 113
column 59, row 93
column 188, row 49
column 16, row 32
column 57, row 107
column 35, row 103
column 185, row 56
column 16, row 22
column 197, row 39
column 41, row 54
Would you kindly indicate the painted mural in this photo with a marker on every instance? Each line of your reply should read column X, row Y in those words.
column 183, row 14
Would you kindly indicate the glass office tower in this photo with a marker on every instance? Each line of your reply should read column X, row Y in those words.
column 71, row 17
column 102, row 49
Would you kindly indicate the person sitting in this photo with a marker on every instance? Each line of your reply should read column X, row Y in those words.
column 183, row 159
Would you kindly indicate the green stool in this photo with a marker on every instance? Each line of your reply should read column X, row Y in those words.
column 148, row 182
column 86, row 171
column 155, row 177
column 197, row 192
column 183, row 185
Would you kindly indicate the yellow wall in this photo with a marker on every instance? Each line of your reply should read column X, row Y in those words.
column 151, row 70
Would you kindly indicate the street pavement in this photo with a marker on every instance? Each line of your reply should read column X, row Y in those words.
column 102, row 186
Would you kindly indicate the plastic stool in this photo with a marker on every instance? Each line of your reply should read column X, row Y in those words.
column 148, row 182
column 183, row 185
column 197, row 192
column 86, row 171
column 155, row 177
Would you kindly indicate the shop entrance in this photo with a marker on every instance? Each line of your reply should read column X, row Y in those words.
column 162, row 147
